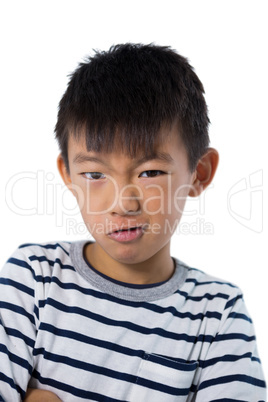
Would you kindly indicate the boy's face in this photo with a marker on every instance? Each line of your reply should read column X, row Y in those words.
column 131, row 206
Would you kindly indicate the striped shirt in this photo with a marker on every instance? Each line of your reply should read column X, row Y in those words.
column 68, row 329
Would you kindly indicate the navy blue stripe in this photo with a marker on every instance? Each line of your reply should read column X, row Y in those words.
column 148, row 306
column 10, row 381
column 43, row 279
column 17, row 285
column 232, row 302
column 17, row 334
column 88, row 340
column 46, row 246
column 88, row 395
column 239, row 316
column 115, row 347
column 42, row 303
column 197, row 283
column 227, row 358
column 233, row 378
column 230, row 400
column 51, row 262
column 144, row 330
column 231, row 336
column 36, row 312
column 16, row 359
column 17, row 309
column 89, row 367
column 207, row 296
column 166, row 389
column 20, row 263
column 127, row 324
column 256, row 359
column 190, row 268
column 132, row 352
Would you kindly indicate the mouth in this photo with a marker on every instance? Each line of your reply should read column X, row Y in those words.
column 128, row 234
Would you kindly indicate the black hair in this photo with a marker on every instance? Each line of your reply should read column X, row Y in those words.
column 128, row 93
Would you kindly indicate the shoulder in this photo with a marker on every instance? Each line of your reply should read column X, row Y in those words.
column 201, row 279
column 38, row 259
column 51, row 250
column 201, row 286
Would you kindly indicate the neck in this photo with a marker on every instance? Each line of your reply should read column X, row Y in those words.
column 158, row 268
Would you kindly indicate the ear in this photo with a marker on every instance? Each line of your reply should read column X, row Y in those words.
column 204, row 172
column 65, row 175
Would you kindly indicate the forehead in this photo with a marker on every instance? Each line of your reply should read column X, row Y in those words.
column 168, row 149
column 134, row 146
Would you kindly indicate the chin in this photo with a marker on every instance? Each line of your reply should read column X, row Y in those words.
column 127, row 255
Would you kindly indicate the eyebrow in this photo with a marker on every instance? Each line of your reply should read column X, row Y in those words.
column 81, row 158
column 161, row 156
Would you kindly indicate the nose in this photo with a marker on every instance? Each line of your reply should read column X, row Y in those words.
column 128, row 202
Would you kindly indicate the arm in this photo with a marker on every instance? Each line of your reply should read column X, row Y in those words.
column 17, row 327
column 37, row 395
column 232, row 369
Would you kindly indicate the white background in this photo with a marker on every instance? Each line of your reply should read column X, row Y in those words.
column 224, row 233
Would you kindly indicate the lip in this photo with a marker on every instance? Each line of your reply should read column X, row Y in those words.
column 127, row 234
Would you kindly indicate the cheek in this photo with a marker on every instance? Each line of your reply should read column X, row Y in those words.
column 174, row 200
column 158, row 197
column 96, row 198
column 154, row 201
column 168, row 199
column 180, row 193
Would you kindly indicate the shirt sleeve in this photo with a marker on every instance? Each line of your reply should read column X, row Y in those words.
column 17, row 326
column 232, row 369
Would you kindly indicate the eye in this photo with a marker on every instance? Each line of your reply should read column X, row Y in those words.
column 94, row 175
column 151, row 173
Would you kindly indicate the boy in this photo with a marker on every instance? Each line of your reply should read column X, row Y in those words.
column 119, row 319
